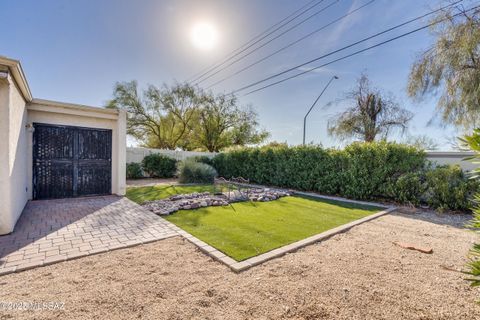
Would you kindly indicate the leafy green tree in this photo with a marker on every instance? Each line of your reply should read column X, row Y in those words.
column 185, row 117
column 452, row 66
column 473, row 141
column 223, row 123
column 372, row 115
column 159, row 118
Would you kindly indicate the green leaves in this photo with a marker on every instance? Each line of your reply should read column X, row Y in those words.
column 186, row 117
column 159, row 166
column 378, row 170
column 361, row 171
column 473, row 141
column 451, row 64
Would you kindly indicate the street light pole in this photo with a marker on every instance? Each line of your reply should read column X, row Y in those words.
column 313, row 105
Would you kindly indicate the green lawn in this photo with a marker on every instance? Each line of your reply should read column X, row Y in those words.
column 142, row 194
column 247, row 229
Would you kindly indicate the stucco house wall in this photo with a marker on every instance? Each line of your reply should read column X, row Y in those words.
column 18, row 112
column 17, row 150
column 4, row 174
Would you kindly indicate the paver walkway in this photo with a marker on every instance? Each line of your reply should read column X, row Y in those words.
column 51, row 231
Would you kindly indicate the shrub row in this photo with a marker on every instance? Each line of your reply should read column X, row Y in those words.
column 363, row 171
column 192, row 170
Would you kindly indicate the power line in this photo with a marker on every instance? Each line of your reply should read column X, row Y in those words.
column 269, row 41
column 336, row 60
column 226, row 59
column 253, row 39
column 292, row 43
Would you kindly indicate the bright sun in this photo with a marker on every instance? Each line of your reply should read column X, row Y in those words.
column 204, row 36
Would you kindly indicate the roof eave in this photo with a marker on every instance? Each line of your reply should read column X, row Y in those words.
column 16, row 70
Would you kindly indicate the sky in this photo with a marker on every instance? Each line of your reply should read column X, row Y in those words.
column 75, row 51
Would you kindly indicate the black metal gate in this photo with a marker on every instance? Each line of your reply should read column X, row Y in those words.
column 71, row 161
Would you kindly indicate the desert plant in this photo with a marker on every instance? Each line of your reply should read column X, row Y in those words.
column 190, row 171
column 473, row 141
column 449, row 188
column 159, row 166
column 134, row 170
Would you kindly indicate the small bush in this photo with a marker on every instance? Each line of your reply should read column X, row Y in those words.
column 195, row 172
column 410, row 188
column 134, row 170
column 159, row 166
column 449, row 188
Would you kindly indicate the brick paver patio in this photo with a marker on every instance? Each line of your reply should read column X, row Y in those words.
column 51, row 231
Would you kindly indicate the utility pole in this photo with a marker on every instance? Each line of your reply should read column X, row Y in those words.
column 313, row 105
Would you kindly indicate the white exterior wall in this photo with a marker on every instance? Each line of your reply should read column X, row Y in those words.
column 137, row 154
column 452, row 157
column 4, row 174
column 64, row 114
column 13, row 179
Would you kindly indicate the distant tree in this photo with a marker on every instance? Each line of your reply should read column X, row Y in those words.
column 159, row 118
column 222, row 123
column 452, row 65
column 422, row 142
column 185, row 117
column 276, row 144
column 372, row 115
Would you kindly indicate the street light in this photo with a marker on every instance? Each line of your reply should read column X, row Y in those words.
column 313, row 105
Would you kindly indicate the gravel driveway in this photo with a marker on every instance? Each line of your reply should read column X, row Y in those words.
column 356, row 275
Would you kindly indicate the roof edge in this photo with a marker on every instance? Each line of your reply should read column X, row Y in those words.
column 73, row 106
column 18, row 75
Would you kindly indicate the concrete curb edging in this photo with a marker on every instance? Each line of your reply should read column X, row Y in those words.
column 239, row 266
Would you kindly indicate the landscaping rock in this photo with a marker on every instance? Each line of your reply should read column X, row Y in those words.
column 205, row 199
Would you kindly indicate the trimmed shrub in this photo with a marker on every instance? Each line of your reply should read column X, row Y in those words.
column 159, row 166
column 373, row 168
column 449, row 188
column 134, row 170
column 365, row 171
column 410, row 188
column 361, row 171
column 195, row 172
column 202, row 159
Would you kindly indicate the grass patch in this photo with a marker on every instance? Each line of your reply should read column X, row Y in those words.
column 142, row 194
column 247, row 229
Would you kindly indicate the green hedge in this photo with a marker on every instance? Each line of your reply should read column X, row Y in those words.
column 134, row 170
column 159, row 166
column 364, row 171
column 361, row 171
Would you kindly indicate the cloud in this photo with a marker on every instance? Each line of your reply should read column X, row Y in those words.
column 335, row 36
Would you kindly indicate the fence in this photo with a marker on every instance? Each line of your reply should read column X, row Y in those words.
column 137, row 154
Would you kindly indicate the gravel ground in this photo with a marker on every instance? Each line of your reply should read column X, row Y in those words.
column 356, row 275
column 147, row 182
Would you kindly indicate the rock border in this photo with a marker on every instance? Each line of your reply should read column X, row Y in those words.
column 239, row 266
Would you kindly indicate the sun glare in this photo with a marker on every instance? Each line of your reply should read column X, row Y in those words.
column 204, row 36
